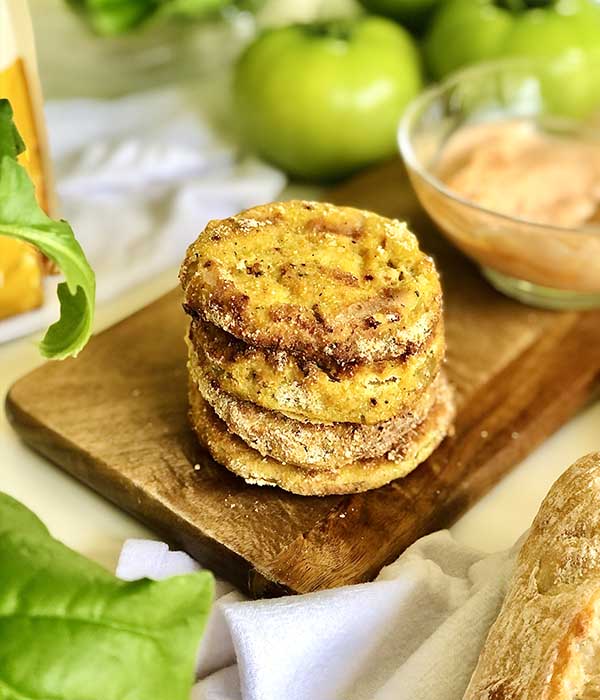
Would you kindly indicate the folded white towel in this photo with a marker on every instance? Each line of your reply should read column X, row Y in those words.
column 412, row 634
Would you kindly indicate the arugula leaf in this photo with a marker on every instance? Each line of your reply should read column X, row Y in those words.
column 21, row 217
column 69, row 630
column 11, row 143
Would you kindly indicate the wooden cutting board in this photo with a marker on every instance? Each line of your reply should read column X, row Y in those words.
column 116, row 419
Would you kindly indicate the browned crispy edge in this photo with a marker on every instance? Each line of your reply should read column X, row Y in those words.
column 230, row 347
column 312, row 339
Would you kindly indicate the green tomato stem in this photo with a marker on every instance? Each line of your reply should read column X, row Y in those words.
column 336, row 29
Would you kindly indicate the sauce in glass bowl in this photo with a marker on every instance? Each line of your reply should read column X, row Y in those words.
column 515, row 186
column 514, row 168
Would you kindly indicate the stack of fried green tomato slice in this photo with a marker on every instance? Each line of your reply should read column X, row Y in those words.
column 316, row 345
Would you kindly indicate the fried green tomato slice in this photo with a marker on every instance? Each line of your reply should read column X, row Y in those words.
column 229, row 450
column 302, row 389
column 322, row 282
column 301, row 443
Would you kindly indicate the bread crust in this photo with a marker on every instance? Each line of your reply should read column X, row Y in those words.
column 233, row 453
column 315, row 280
column 545, row 643
column 301, row 443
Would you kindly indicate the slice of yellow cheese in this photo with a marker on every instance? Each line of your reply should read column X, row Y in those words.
column 21, row 266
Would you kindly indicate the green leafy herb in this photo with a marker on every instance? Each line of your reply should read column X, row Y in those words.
column 114, row 17
column 69, row 630
column 11, row 143
column 194, row 9
column 21, row 217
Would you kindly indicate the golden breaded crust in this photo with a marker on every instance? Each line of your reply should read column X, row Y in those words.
column 278, row 381
column 319, row 281
column 232, row 452
column 318, row 445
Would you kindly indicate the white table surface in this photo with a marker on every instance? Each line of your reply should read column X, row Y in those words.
column 88, row 523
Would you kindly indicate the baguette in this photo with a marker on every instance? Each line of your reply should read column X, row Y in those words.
column 545, row 643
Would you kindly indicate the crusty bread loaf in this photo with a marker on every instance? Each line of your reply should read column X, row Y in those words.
column 545, row 643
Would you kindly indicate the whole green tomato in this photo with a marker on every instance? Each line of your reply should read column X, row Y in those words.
column 323, row 100
column 571, row 81
column 468, row 31
column 411, row 13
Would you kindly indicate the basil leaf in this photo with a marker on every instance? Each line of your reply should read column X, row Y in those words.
column 15, row 517
column 69, row 630
column 21, row 217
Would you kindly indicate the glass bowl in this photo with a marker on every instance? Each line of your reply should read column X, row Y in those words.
column 546, row 264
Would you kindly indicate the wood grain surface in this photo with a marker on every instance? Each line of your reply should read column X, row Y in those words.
column 116, row 419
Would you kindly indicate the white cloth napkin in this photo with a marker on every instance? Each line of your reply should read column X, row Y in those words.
column 412, row 634
column 138, row 178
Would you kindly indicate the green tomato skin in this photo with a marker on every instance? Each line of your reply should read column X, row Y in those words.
column 320, row 103
column 469, row 31
column 545, row 33
column 571, row 85
column 465, row 32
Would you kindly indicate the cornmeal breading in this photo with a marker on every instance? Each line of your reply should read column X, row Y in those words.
column 367, row 393
column 232, row 452
column 317, row 445
column 315, row 348
column 318, row 281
